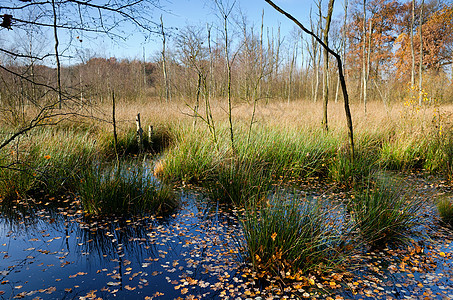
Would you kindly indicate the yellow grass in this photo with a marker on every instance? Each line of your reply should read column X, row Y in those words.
column 396, row 117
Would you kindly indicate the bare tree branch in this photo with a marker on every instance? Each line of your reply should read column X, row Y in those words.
column 23, row 55
column 340, row 72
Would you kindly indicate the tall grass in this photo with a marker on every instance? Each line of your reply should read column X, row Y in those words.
column 343, row 170
column 61, row 156
column 15, row 182
column 239, row 181
column 292, row 152
column 107, row 190
column 194, row 156
column 269, row 156
column 286, row 143
column 46, row 160
column 290, row 235
column 128, row 143
column 191, row 158
column 384, row 212
column 50, row 159
column 403, row 153
column 439, row 152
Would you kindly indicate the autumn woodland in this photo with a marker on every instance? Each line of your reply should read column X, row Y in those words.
column 237, row 160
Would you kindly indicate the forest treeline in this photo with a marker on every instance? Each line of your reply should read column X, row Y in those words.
column 379, row 42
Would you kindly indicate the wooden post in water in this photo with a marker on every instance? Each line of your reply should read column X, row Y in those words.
column 139, row 132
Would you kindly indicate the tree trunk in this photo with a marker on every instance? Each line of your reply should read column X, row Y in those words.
column 164, row 63
column 211, row 62
column 340, row 73
column 277, row 54
column 364, row 81
column 225, row 12
column 197, row 101
column 57, row 56
column 343, row 44
column 420, row 96
column 368, row 64
column 115, row 135
column 261, row 54
column 316, row 62
column 291, row 70
column 412, row 45
column 326, row 65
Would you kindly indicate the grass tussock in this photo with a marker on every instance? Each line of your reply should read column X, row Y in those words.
column 191, row 158
column 14, row 183
column 120, row 190
column 239, row 182
column 290, row 235
column 292, row 152
column 384, row 213
column 128, row 142
column 194, row 156
column 445, row 208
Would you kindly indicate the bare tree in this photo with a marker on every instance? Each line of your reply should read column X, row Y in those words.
column 326, row 64
column 412, row 45
column 420, row 83
column 343, row 43
column 57, row 54
column 164, row 62
column 189, row 44
column 207, row 96
column 63, row 16
column 364, row 77
column 368, row 64
column 225, row 10
column 340, row 73
column 291, row 69
column 315, row 53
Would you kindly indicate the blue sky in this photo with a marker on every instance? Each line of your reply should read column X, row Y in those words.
column 176, row 14
column 179, row 13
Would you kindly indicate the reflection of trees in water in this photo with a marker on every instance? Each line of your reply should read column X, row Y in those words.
column 115, row 238
column 124, row 243
column 27, row 215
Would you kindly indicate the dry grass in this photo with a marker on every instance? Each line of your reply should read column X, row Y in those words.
column 298, row 114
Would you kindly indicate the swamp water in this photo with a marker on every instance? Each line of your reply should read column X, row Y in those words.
column 51, row 251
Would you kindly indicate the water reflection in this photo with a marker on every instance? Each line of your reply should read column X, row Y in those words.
column 55, row 252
